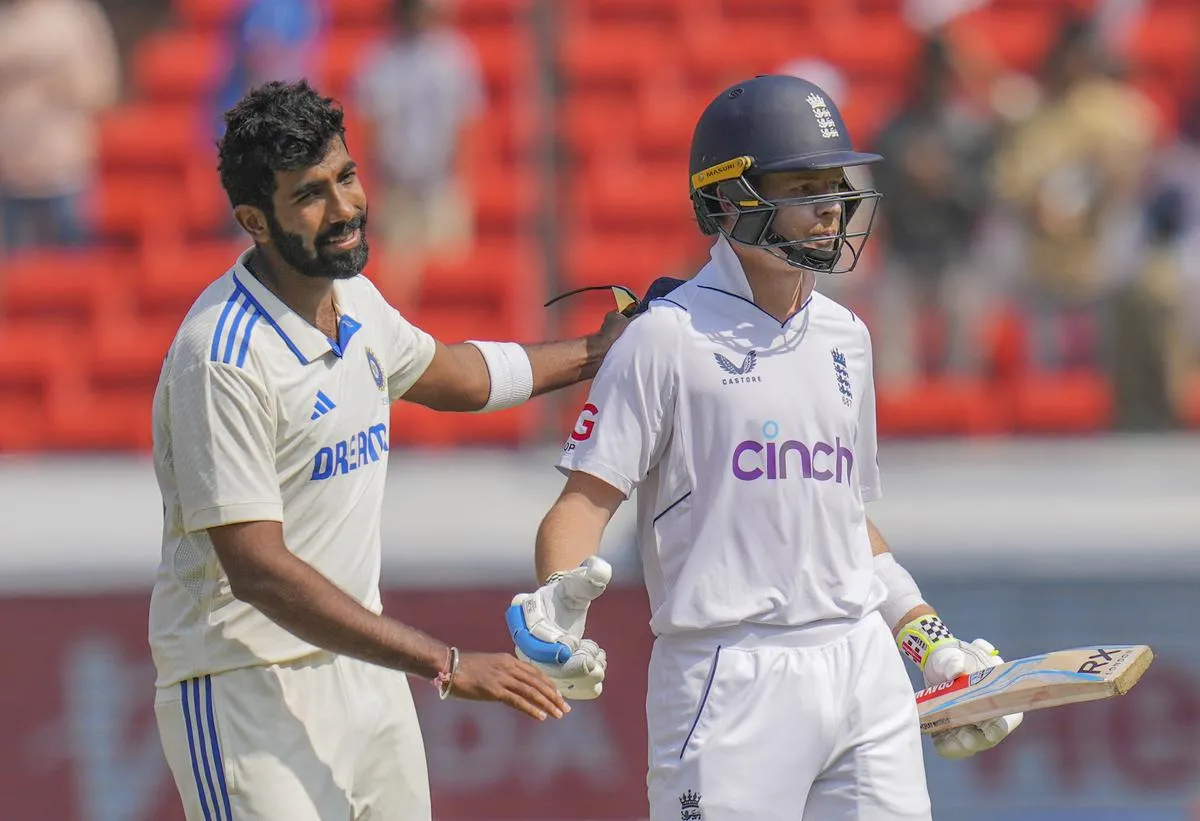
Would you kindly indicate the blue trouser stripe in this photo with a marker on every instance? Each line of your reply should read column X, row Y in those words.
column 212, row 790
column 218, row 762
column 187, row 721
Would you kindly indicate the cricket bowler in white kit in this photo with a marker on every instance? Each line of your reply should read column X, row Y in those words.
column 741, row 405
column 282, row 693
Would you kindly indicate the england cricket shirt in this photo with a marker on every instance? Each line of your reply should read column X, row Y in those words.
column 259, row 416
column 753, row 446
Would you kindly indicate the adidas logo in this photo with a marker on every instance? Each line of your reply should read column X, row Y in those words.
column 323, row 406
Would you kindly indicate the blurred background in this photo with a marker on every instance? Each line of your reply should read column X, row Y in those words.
column 1033, row 289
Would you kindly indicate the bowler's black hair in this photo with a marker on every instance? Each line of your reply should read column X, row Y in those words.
column 275, row 127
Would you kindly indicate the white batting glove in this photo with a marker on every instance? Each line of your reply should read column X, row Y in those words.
column 942, row 657
column 547, row 628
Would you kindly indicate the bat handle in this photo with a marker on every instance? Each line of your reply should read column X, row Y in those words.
column 539, row 650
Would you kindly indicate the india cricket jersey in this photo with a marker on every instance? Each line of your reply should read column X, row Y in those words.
column 753, row 446
column 259, row 416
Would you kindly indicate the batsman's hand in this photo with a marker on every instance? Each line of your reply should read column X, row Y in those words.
column 502, row 678
column 948, row 659
column 547, row 629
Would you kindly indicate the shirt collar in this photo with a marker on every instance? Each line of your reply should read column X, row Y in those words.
column 724, row 271
column 304, row 340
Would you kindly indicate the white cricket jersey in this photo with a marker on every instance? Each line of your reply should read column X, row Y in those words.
column 259, row 416
column 753, row 446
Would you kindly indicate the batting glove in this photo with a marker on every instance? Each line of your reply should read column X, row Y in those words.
column 942, row 657
column 547, row 629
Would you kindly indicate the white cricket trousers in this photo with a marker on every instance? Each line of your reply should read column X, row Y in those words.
column 327, row 738
column 779, row 724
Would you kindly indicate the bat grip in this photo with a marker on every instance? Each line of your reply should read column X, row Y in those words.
column 539, row 650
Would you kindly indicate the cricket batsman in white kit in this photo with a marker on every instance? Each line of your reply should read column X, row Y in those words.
column 282, row 693
column 741, row 405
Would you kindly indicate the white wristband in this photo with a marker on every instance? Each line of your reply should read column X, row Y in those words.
column 902, row 591
column 510, row 371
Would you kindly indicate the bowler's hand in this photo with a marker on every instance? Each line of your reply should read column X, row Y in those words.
column 500, row 677
column 598, row 343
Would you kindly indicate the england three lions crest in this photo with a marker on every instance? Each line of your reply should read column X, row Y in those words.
column 825, row 120
column 842, row 375
column 689, row 806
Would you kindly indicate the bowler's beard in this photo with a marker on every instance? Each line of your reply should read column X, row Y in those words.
column 327, row 263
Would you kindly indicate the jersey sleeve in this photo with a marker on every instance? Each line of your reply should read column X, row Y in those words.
column 629, row 415
column 222, row 435
column 866, row 442
column 409, row 352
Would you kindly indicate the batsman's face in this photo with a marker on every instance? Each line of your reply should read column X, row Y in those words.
column 319, row 225
column 821, row 220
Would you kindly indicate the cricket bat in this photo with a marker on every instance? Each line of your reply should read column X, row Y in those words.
column 1034, row 683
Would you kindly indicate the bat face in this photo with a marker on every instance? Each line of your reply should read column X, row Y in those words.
column 1034, row 683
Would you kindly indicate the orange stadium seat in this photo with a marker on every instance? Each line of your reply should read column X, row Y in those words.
column 39, row 351
column 135, row 204
column 342, row 58
column 615, row 259
column 622, row 196
column 940, row 406
column 171, row 274
column 105, row 419
column 179, row 65
column 128, row 351
column 1063, row 403
column 357, row 12
column 875, row 46
column 23, row 423
column 492, row 13
column 62, row 283
column 603, row 55
column 142, row 135
column 201, row 14
column 596, row 122
column 1166, row 37
column 505, row 56
column 505, row 198
column 494, row 271
column 1019, row 37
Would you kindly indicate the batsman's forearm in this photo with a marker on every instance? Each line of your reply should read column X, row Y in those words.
column 901, row 587
column 564, row 539
column 302, row 601
column 559, row 364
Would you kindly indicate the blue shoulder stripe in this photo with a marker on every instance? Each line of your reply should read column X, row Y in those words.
column 230, row 332
column 217, row 334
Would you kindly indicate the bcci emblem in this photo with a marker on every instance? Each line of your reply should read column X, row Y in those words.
column 376, row 369
column 689, row 806
column 843, row 376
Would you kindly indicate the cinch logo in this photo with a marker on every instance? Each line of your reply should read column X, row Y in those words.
column 364, row 448
column 772, row 460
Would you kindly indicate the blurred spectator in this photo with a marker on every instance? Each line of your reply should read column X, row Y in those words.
column 58, row 69
column 419, row 94
column 1071, row 173
column 1163, row 309
column 270, row 40
column 933, row 182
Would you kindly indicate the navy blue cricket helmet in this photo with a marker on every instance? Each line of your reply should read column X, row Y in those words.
column 776, row 123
